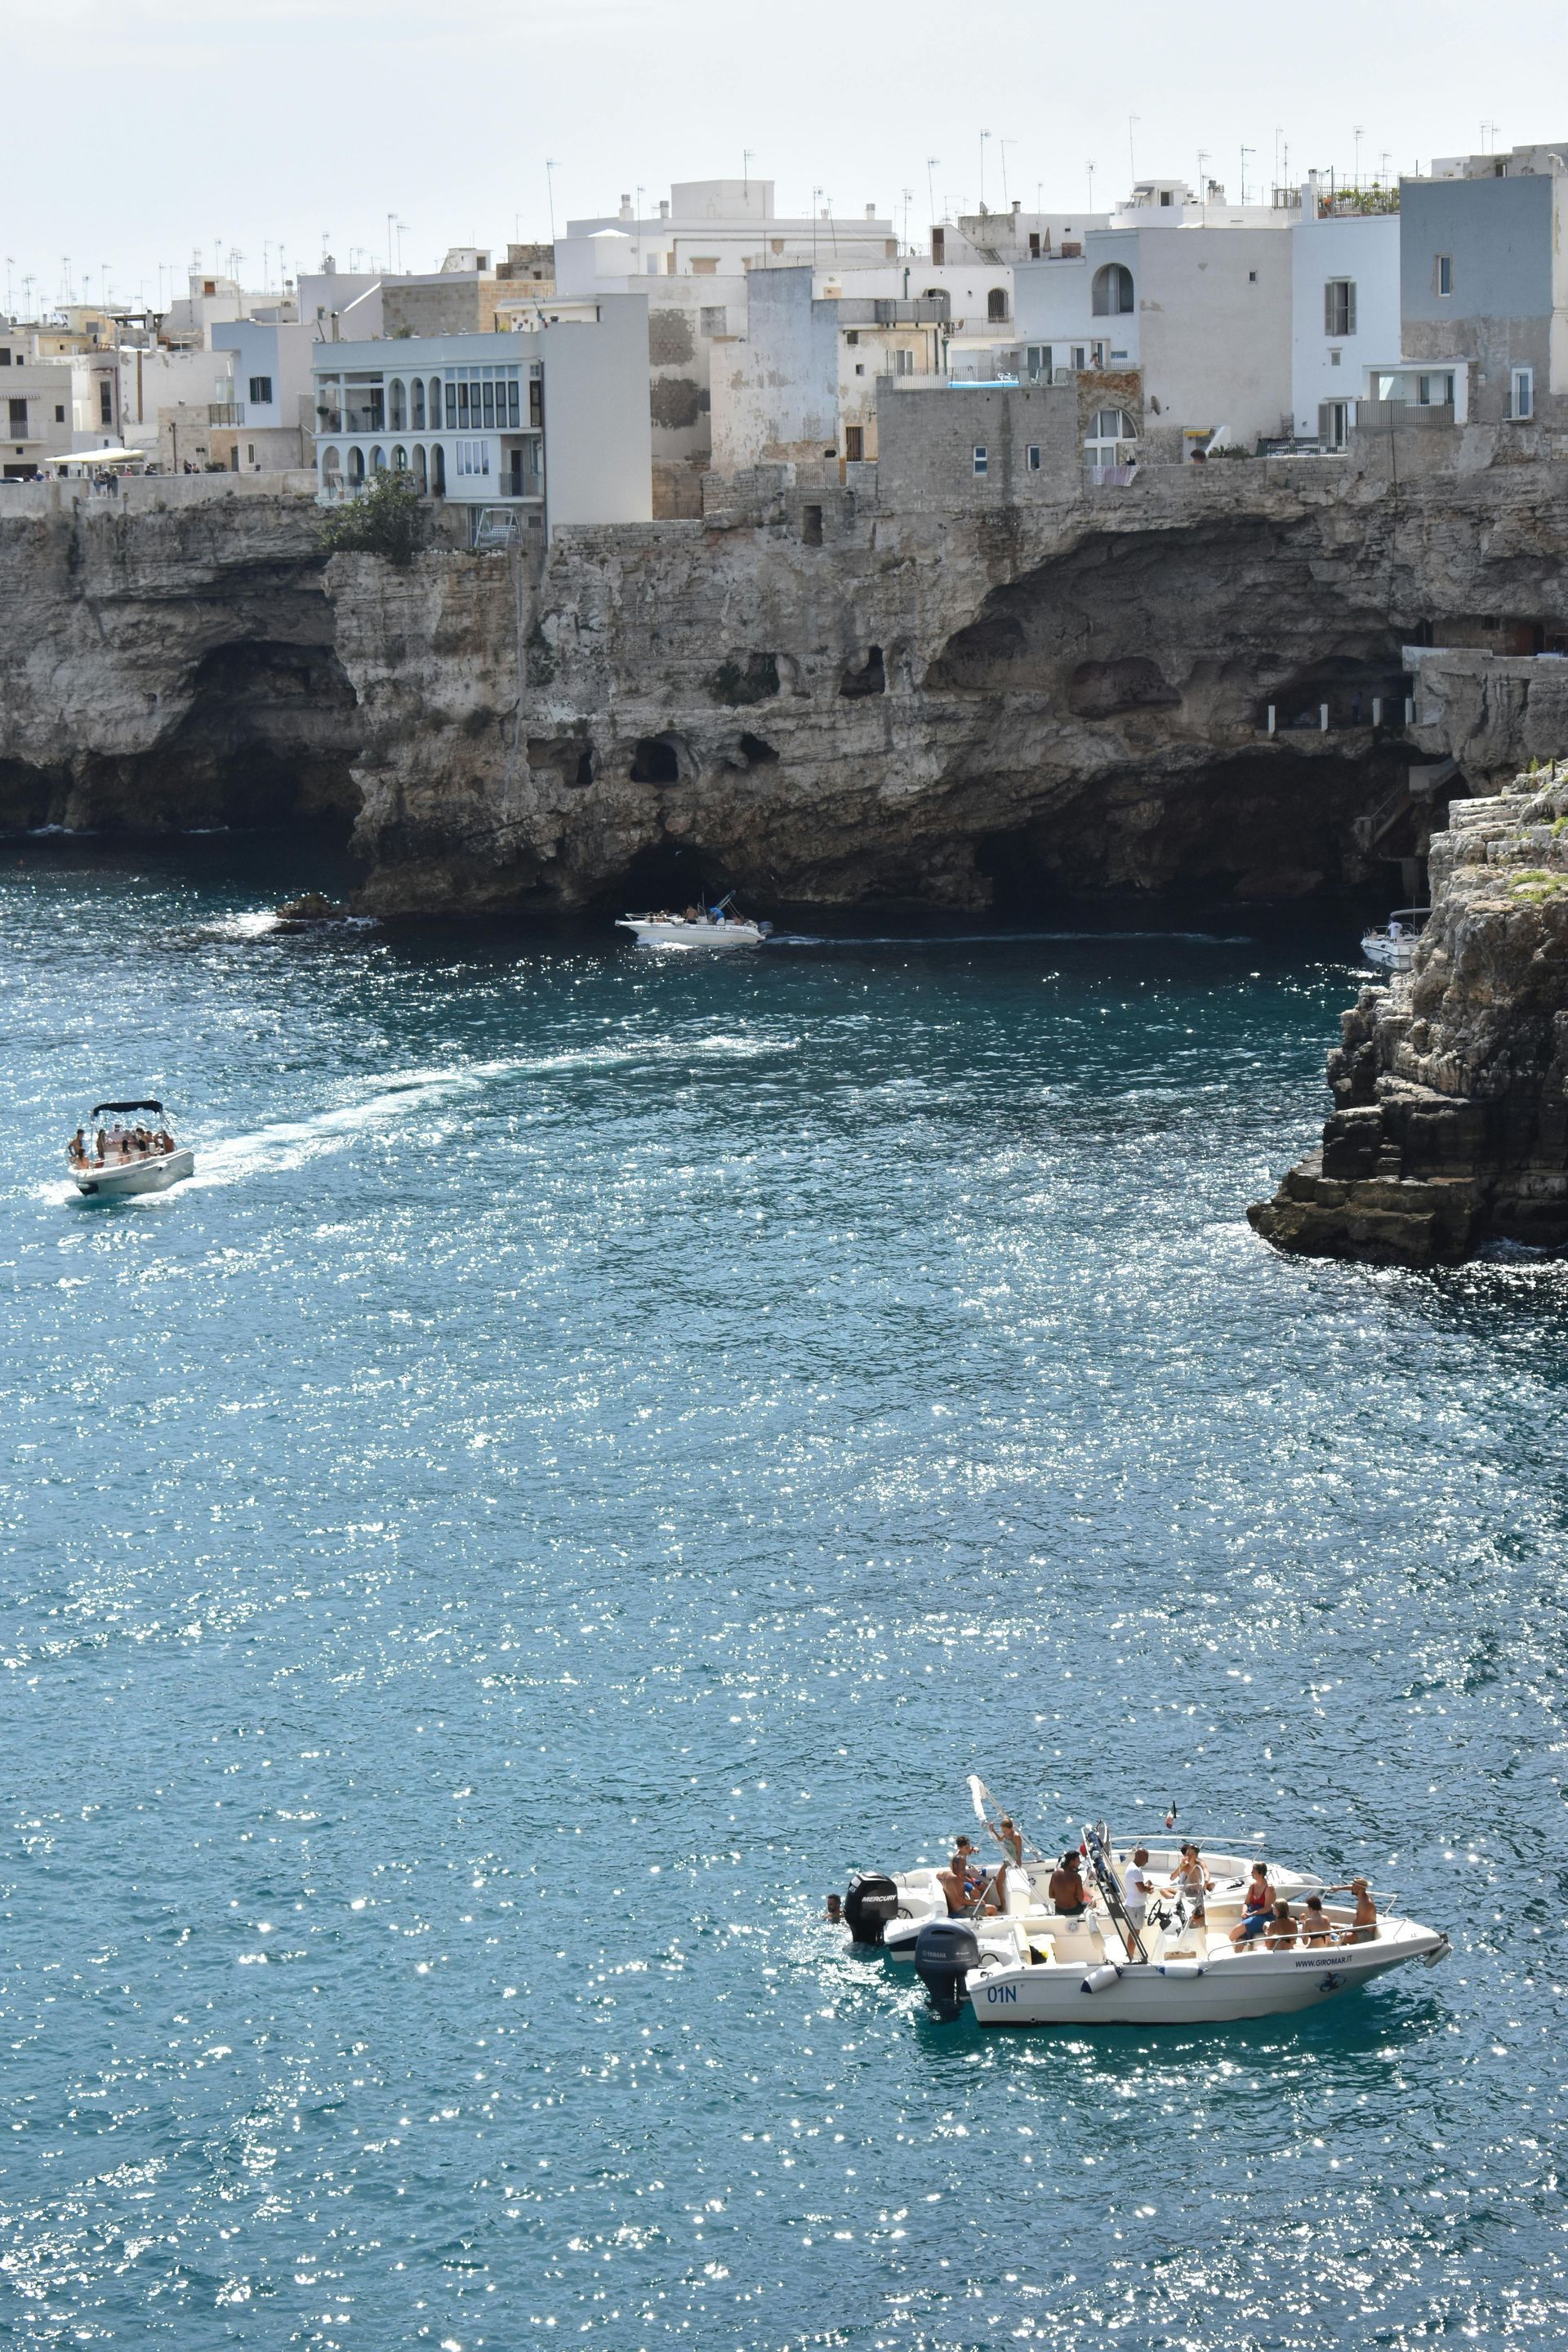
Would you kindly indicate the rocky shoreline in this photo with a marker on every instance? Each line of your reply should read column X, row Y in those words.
column 1450, row 1125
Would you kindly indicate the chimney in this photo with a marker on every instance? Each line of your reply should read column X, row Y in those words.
column 1017, row 206
column 870, row 212
column 626, row 207
column 664, row 207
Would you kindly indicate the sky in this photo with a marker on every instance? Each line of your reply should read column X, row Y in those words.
column 140, row 130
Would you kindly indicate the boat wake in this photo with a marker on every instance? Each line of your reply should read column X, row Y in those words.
column 1003, row 939
column 422, row 1094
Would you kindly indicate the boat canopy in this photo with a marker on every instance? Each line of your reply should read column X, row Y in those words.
column 98, row 1108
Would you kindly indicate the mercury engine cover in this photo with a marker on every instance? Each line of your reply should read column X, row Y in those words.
column 870, row 1902
column 946, row 1952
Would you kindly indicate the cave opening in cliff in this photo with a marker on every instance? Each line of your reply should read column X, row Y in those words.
column 266, row 739
column 1276, row 824
column 669, row 874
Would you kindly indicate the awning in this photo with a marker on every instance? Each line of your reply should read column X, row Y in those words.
column 100, row 458
column 98, row 1108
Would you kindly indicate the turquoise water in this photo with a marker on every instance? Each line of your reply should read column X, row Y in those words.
column 606, row 1445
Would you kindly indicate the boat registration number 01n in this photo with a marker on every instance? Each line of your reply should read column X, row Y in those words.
column 1001, row 1992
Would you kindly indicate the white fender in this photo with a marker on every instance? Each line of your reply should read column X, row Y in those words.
column 1181, row 1967
column 1101, row 1978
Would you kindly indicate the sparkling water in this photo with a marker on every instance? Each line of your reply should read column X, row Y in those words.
column 604, row 1445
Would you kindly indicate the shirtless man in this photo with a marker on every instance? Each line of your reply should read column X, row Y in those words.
column 1069, row 1897
column 1363, row 1928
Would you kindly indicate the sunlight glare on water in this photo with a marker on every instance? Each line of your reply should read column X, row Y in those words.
column 604, row 1445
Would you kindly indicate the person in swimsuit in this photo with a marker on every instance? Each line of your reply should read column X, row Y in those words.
column 1192, row 1880
column 1259, row 1901
column 1069, row 1897
column 1281, row 1932
column 1009, row 1838
column 1363, row 1928
column 1316, row 1926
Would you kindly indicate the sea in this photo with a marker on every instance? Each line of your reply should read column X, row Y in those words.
column 603, row 1446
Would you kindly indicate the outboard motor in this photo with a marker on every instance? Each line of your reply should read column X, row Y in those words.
column 946, row 1952
column 870, row 1902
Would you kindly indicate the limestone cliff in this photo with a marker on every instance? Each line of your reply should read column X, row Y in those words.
column 805, row 693
column 1451, row 1119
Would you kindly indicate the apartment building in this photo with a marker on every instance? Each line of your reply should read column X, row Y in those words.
column 36, row 408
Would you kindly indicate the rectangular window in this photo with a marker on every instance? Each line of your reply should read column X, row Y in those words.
column 982, row 457
column 261, row 390
column 489, row 403
column 1034, row 245
column 1524, row 394
column 714, row 319
column 904, row 364
column 1339, row 306
column 1078, row 356
column 939, row 246
column 59, row 416
column 19, row 417
column 535, row 402
column 1033, row 457
column 473, row 457
column 4, row 354
column 105, row 403
column 451, row 407
column 513, row 411
column 1335, row 357
column 855, row 443
column 1444, row 278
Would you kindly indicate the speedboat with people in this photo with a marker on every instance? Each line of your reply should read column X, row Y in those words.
column 698, row 927
column 1120, row 1930
column 1394, row 947
column 111, row 1161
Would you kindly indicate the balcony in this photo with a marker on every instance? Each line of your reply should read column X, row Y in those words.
column 225, row 412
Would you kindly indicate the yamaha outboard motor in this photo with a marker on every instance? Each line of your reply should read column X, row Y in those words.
column 870, row 1902
column 946, row 1952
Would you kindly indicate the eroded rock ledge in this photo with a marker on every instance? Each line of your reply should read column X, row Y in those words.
column 1450, row 1125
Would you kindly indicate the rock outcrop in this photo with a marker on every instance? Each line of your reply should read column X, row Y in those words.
column 1450, row 1125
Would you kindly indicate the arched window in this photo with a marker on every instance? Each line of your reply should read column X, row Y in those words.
column 397, row 404
column 332, row 469
column 997, row 303
column 1111, row 430
column 400, row 460
column 378, row 461
column 1112, row 291
column 439, row 470
column 356, row 464
column 418, row 419
column 420, row 475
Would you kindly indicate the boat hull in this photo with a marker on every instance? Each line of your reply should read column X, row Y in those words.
column 693, row 935
column 118, row 1181
column 1390, row 955
column 1220, row 1992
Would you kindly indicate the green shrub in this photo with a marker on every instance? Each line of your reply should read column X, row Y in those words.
column 384, row 520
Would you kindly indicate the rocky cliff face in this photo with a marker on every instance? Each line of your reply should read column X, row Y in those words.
column 803, row 694
column 170, row 670
column 1451, row 1119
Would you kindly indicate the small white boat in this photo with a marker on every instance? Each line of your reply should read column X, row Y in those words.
column 1393, row 948
column 114, row 1162
column 699, row 927
column 1028, row 1964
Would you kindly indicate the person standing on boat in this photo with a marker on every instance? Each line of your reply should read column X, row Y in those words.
column 1009, row 1838
column 1192, row 1882
column 1137, row 1886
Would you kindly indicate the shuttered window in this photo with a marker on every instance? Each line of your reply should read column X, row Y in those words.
column 1339, row 306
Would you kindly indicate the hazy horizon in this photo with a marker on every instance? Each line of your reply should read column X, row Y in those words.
column 155, row 133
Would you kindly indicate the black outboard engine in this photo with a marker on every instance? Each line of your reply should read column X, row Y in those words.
column 870, row 1902
column 946, row 1952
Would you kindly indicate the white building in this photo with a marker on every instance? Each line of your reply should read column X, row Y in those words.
column 273, row 413
column 801, row 385
column 36, row 401
column 151, row 378
column 554, row 422
column 1187, row 300
column 1344, row 308
column 341, row 305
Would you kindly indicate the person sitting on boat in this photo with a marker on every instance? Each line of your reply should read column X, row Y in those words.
column 1192, row 1880
column 1315, row 1925
column 1069, row 1897
column 690, row 916
column 1281, row 1932
column 1363, row 1928
column 1256, row 1904
column 963, row 1895
column 164, row 1140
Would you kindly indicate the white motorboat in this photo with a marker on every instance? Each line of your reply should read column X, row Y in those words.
column 1025, row 1963
column 699, row 927
column 116, row 1162
column 1394, row 947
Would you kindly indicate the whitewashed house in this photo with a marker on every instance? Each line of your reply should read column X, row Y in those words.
column 552, row 422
